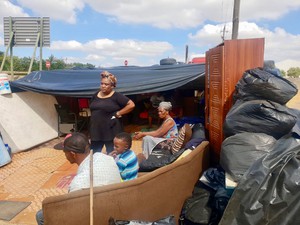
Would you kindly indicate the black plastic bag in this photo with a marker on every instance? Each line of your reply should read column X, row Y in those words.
column 216, row 181
column 259, row 116
column 259, row 84
column 170, row 220
column 296, row 130
column 158, row 158
column 208, row 201
column 198, row 131
column 240, row 151
column 196, row 209
column 269, row 192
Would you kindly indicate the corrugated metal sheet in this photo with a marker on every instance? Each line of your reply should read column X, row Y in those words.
column 26, row 30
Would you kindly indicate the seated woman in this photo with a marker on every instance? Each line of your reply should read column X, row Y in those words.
column 167, row 130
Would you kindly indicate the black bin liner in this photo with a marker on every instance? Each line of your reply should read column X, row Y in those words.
column 196, row 209
column 269, row 192
column 240, row 151
column 198, row 131
column 208, row 201
column 170, row 220
column 259, row 116
column 158, row 158
column 260, row 84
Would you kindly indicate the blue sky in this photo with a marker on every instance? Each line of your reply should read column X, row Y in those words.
column 106, row 33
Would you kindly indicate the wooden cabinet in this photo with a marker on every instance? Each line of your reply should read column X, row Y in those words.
column 225, row 65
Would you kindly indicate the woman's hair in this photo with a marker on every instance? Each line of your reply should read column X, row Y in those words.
column 125, row 137
column 166, row 106
column 110, row 77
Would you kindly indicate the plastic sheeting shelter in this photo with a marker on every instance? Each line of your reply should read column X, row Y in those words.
column 28, row 117
column 131, row 80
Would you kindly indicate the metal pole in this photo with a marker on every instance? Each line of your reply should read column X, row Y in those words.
column 11, row 52
column 235, row 19
column 8, row 46
column 186, row 53
column 91, row 188
column 41, row 45
column 33, row 55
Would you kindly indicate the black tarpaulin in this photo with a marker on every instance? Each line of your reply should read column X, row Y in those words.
column 131, row 80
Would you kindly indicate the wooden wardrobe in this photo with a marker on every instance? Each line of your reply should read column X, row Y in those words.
column 225, row 65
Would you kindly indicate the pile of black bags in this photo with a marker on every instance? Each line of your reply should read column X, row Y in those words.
column 261, row 152
column 260, row 84
column 259, row 105
column 256, row 120
column 268, row 193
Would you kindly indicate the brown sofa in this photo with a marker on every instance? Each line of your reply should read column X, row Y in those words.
column 150, row 197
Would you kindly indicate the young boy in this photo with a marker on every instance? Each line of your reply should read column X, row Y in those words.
column 124, row 157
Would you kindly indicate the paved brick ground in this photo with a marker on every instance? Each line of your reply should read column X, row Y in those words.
column 36, row 174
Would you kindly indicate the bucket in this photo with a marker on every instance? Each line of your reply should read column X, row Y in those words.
column 4, row 84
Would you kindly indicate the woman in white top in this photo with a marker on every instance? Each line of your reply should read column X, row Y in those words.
column 167, row 130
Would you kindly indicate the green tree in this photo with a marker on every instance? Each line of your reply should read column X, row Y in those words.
column 51, row 58
column 6, row 66
column 83, row 66
column 293, row 72
column 58, row 64
column 283, row 73
column 1, row 59
column 22, row 64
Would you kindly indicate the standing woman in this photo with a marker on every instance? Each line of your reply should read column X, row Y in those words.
column 107, row 107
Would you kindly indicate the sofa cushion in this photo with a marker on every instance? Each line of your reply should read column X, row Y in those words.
column 185, row 134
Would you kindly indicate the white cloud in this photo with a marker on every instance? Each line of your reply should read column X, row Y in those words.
column 279, row 44
column 93, row 57
column 66, row 45
column 167, row 14
column 64, row 10
column 113, row 48
column 286, row 64
column 189, row 13
column 162, row 14
column 8, row 9
column 127, row 47
column 268, row 9
column 117, row 50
